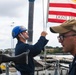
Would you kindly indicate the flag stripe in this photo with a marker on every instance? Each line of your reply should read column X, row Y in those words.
column 55, row 20
column 62, row 9
column 61, row 13
column 62, row 5
column 63, row 1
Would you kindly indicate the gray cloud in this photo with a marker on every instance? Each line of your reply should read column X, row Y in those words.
column 9, row 7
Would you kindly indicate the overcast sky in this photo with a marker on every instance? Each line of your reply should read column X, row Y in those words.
column 15, row 12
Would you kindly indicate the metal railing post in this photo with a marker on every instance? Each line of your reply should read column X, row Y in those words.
column 7, row 68
column 57, row 68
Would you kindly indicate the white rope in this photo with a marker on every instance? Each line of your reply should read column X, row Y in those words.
column 43, row 14
column 44, row 23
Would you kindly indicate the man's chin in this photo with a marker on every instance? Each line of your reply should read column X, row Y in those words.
column 65, row 51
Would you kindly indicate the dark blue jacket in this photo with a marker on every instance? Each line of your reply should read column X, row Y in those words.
column 72, row 70
column 34, row 51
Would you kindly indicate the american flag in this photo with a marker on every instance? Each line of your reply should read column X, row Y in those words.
column 61, row 10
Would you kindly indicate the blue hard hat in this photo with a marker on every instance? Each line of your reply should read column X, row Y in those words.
column 17, row 30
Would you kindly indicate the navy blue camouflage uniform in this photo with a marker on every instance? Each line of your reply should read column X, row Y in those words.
column 72, row 70
column 28, row 69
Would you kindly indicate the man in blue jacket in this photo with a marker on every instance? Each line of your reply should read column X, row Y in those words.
column 67, row 38
column 21, row 34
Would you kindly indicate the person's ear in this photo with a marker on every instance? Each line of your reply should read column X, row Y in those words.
column 19, row 35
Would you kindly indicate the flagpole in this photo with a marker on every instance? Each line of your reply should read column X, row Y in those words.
column 44, row 29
